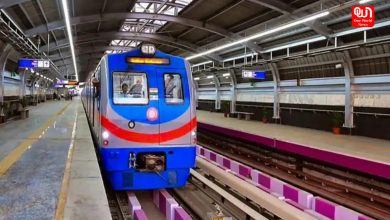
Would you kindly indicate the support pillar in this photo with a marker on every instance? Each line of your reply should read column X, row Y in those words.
column 195, row 92
column 276, row 90
column 349, row 100
column 233, row 91
column 22, row 86
column 217, row 92
column 7, row 49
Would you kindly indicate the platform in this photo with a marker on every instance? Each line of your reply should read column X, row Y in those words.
column 363, row 154
column 48, row 166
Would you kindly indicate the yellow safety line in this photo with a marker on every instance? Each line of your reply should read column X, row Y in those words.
column 15, row 154
column 62, row 197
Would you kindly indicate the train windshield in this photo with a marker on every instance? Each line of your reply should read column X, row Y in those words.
column 173, row 88
column 130, row 88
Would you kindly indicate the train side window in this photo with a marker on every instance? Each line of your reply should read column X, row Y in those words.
column 173, row 88
column 130, row 88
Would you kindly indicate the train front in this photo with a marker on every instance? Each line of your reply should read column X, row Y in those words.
column 148, row 122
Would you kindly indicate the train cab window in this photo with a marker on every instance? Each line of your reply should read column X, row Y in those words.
column 173, row 88
column 130, row 88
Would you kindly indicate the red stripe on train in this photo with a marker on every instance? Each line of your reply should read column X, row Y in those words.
column 148, row 138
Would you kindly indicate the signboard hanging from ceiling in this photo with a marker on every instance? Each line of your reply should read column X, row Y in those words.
column 254, row 74
column 33, row 63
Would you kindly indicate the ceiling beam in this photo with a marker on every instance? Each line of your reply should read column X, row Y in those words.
column 180, row 44
column 82, row 59
column 172, row 3
column 275, row 5
column 9, row 3
column 60, row 24
column 286, row 9
column 86, row 50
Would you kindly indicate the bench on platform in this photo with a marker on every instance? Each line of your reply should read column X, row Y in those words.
column 242, row 115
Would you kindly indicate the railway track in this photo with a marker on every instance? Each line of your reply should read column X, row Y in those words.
column 198, row 199
column 364, row 194
column 205, row 203
column 118, row 205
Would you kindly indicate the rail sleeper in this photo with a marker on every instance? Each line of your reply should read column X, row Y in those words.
column 296, row 197
column 133, row 203
column 140, row 214
column 168, row 206
column 171, row 205
column 180, row 214
column 277, row 188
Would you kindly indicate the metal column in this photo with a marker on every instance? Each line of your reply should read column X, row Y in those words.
column 217, row 92
column 3, row 59
column 22, row 86
column 195, row 91
column 349, row 100
column 276, row 90
column 7, row 49
column 233, row 91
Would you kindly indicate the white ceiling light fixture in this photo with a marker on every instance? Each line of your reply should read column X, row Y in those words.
column 239, row 57
column 197, row 78
column 365, row 1
column 204, row 63
column 298, row 43
column 210, row 77
column 260, row 34
column 65, row 10
column 226, row 74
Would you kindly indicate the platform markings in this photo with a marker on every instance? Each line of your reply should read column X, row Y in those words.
column 18, row 152
column 62, row 197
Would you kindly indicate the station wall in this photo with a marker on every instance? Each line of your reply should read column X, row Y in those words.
column 360, row 100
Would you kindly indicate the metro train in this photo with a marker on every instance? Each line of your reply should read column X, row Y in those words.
column 140, row 106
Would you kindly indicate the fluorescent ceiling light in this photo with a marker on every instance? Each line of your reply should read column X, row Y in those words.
column 226, row 74
column 260, row 34
column 210, row 77
column 299, row 43
column 201, row 64
column 343, row 33
column 239, row 57
column 65, row 10
column 197, row 78
column 364, row 1
column 356, row 30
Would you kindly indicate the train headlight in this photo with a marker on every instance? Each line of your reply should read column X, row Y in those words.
column 149, row 49
column 105, row 135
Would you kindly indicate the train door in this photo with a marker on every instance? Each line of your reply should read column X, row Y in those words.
column 135, row 99
column 174, row 103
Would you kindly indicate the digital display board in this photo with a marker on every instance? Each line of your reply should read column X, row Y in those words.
column 146, row 60
column 62, row 83
column 33, row 63
column 254, row 74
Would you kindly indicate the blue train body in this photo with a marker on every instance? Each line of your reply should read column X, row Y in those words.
column 141, row 109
